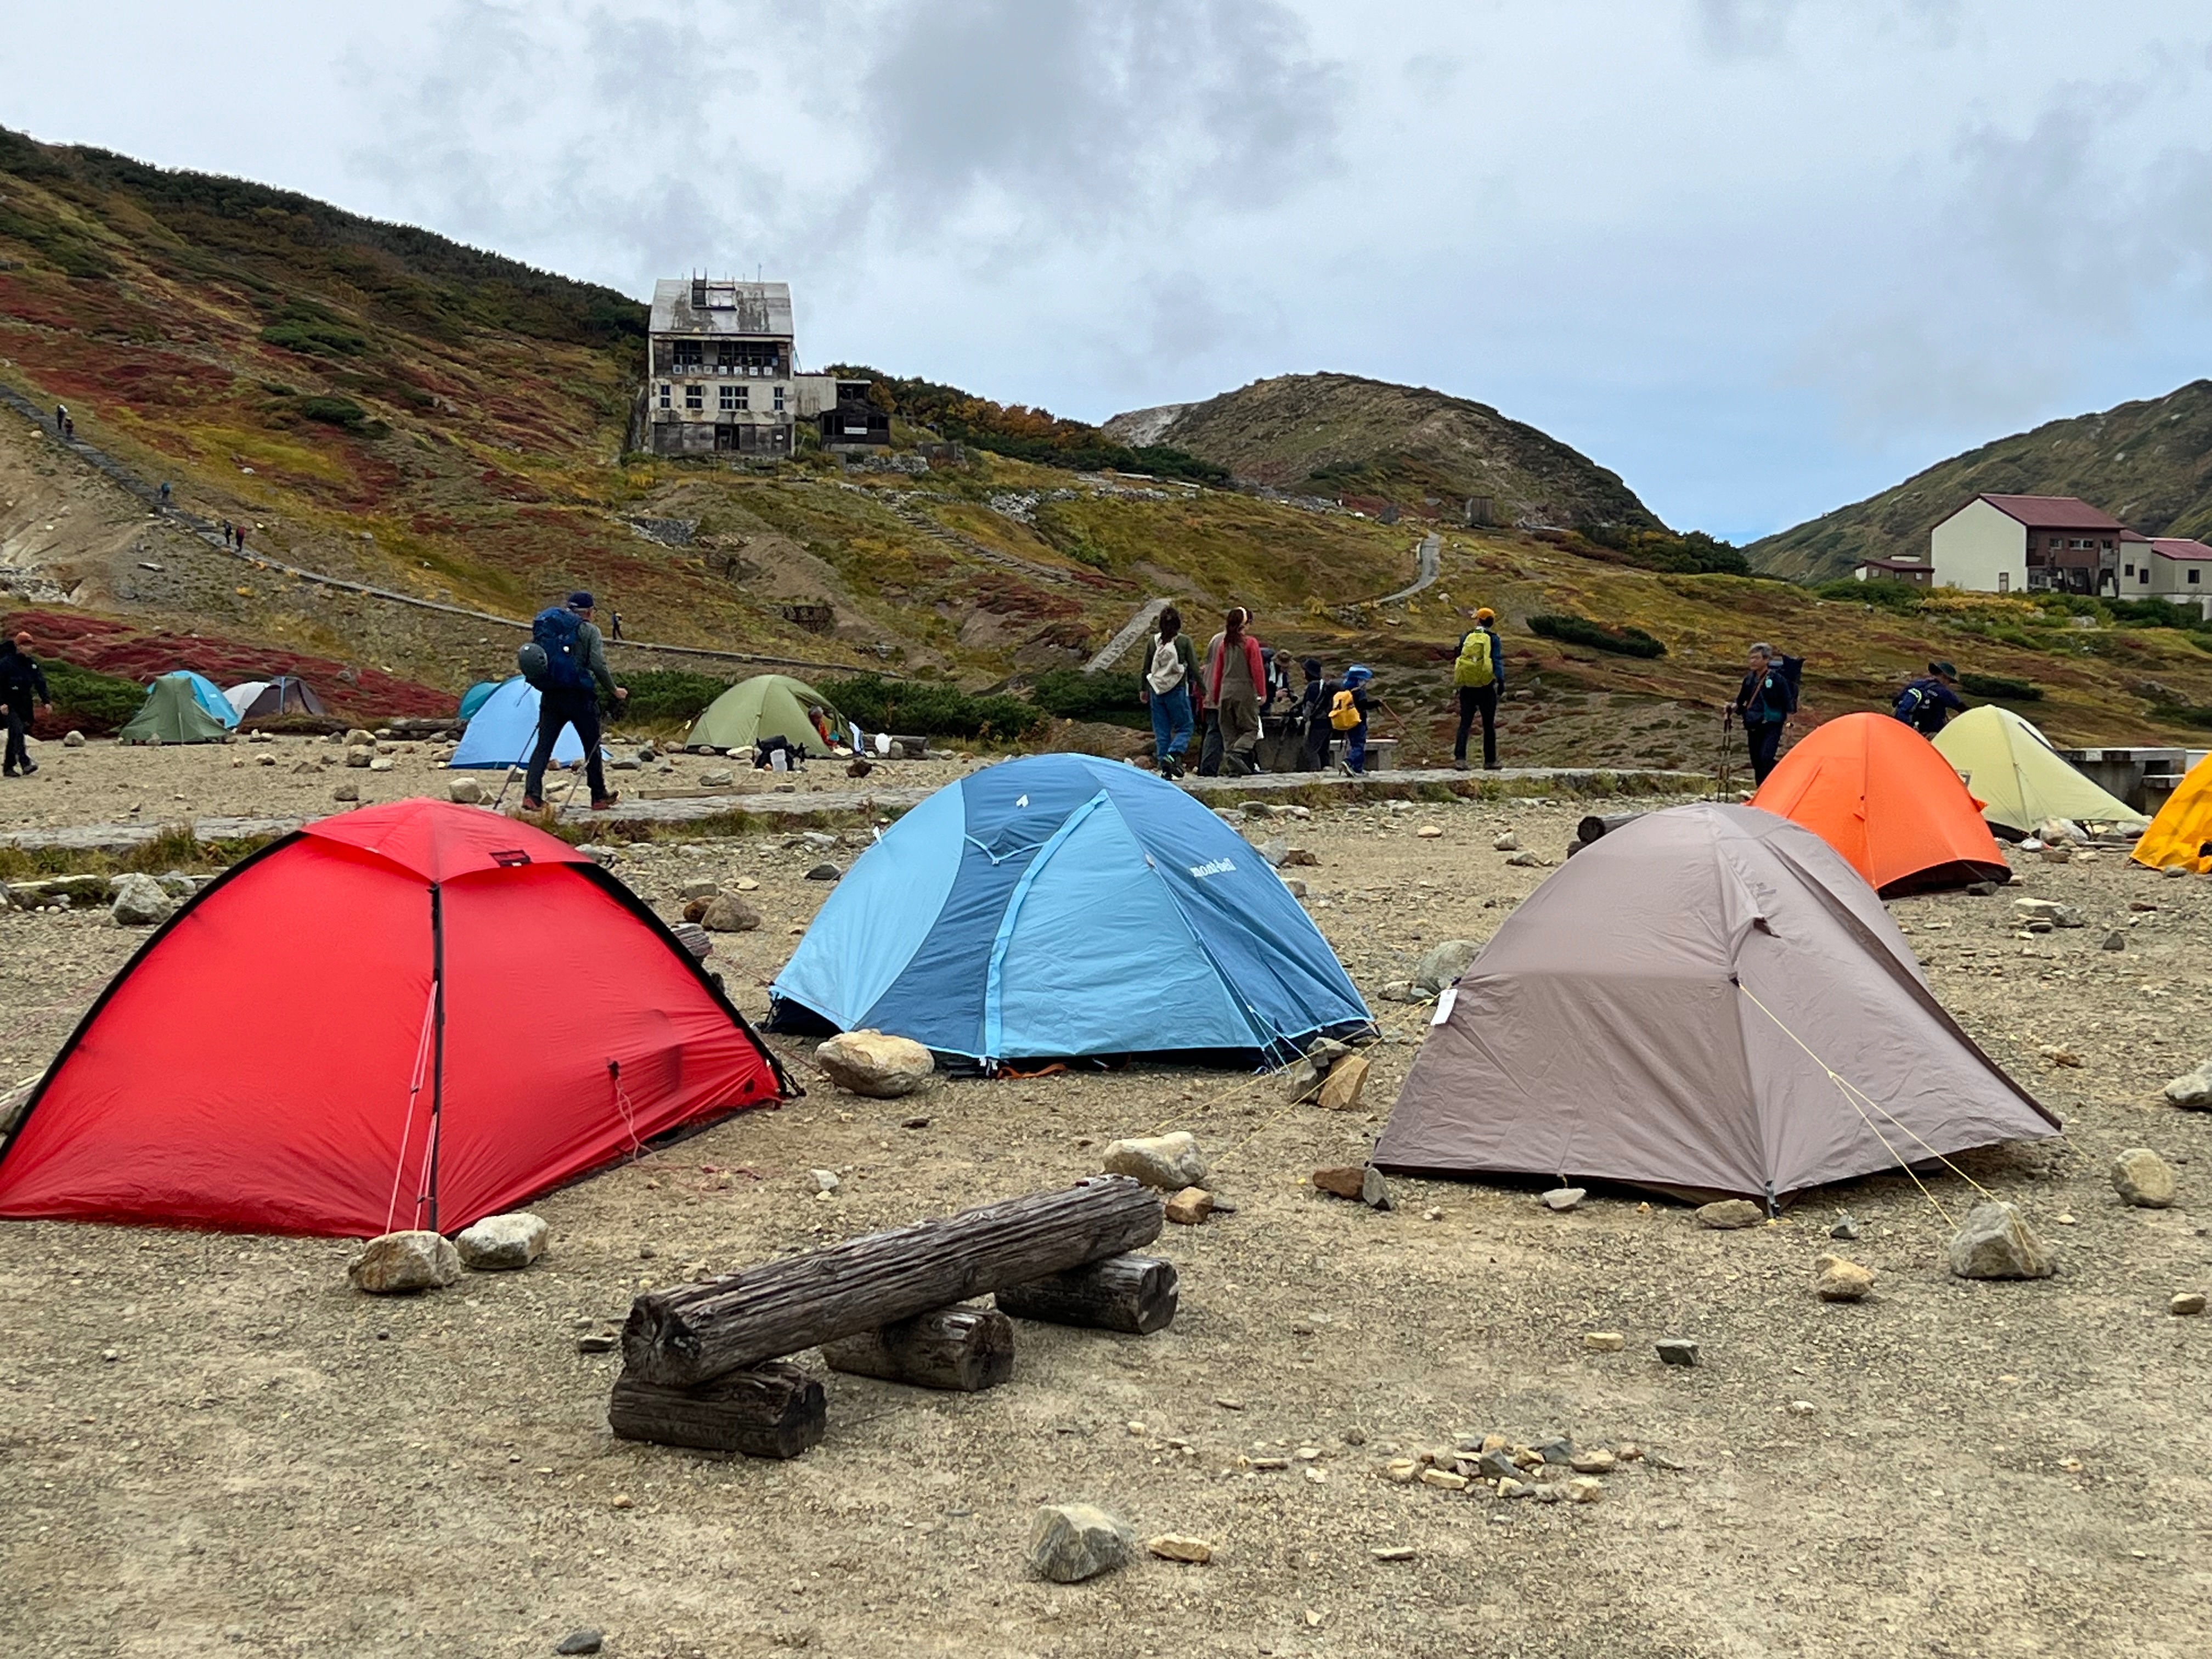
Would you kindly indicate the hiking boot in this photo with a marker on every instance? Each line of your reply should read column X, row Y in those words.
column 532, row 804
column 29, row 767
column 600, row 803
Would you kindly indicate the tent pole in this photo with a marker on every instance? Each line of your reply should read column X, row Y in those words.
column 437, row 1038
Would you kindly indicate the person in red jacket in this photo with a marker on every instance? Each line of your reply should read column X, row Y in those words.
column 1236, row 680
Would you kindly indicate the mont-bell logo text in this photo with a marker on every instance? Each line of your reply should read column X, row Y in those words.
column 1218, row 867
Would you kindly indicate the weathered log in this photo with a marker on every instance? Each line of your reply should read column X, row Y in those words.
column 1132, row 1293
column 967, row 1349
column 774, row 1411
column 682, row 1336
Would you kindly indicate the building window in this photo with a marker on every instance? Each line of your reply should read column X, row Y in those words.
column 667, row 394
column 2004, row 581
column 779, row 400
column 2144, row 580
column 688, row 353
column 695, row 398
column 729, row 398
column 2194, row 573
column 2130, row 570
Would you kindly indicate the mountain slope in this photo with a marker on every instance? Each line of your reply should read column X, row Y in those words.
column 1338, row 435
column 2148, row 464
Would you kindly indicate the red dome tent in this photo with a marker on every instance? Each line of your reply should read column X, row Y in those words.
column 407, row 1016
column 1878, row 791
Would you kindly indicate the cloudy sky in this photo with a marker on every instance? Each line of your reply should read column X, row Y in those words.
column 1759, row 257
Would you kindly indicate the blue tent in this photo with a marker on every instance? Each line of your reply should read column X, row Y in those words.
column 474, row 696
column 1062, row 906
column 207, row 694
column 504, row 728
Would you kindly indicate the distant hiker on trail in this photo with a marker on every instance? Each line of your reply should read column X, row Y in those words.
column 164, row 492
column 21, row 680
column 1235, row 674
column 1312, row 716
column 1478, row 678
column 1348, row 717
column 1762, row 703
column 1927, row 704
column 567, row 661
column 69, row 426
column 61, row 415
column 614, row 625
column 1165, row 687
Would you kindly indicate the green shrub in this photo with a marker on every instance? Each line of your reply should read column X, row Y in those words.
column 1888, row 595
column 2001, row 687
column 1580, row 630
column 1075, row 696
column 335, row 411
column 1693, row 553
column 929, row 709
column 95, row 701
column 670, row 696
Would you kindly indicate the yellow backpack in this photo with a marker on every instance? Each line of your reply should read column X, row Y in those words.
column 1343, row 712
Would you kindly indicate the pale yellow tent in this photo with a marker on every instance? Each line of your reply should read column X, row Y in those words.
column 2021, row 780
column 2182, row 832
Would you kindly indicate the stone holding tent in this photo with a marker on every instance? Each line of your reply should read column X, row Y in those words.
column 766, row 706
column 172, row 712
column 2020, row 779
column 1710, row 1002
column 1877, row 791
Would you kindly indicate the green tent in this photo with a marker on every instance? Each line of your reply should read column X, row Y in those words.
column 172, row 713
column 765, row 706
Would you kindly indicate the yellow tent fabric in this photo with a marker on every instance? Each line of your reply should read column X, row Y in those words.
column 2021, row 780
column 2182, row 831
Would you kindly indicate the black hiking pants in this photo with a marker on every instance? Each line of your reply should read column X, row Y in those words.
column 1763, row 738
column 18, row 716
column 1478, row 700
column 557, row 709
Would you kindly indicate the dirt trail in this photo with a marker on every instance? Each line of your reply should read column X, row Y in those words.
column 269, row 1464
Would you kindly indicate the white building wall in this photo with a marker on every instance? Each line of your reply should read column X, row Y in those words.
column 1980, row 548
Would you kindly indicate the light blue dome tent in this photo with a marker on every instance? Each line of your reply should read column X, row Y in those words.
column 476, row 696
column 504, row 728
column 207, row 694
column 1061, row 906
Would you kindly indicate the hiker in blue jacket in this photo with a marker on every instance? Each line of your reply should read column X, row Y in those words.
column 1927, row 704
column 576, row 673
column 1762, row 703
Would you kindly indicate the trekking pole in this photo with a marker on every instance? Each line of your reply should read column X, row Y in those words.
column 1724, row 771
column 512, row 770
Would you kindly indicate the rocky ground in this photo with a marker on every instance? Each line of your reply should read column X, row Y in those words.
column 211, row 1444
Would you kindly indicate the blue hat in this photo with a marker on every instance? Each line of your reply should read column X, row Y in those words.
column 1355, row 675
column 579, row 600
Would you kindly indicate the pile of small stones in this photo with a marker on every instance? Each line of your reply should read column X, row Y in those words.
column 1555, row 1471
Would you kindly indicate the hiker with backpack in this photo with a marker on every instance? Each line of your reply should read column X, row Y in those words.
column 1765, row 702
column 1236, row 674
column 1165, row 686
column 21, row 681
column 1348, row 717
column 567, row 661
column 1927, row 704
column 1312, row 718
column 1479, row 679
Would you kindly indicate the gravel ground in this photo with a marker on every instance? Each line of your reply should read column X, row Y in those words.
column 212, row 1445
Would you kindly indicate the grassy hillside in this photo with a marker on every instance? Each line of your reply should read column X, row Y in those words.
column 2148, row 464
column 377, row 404
column 1340, row 436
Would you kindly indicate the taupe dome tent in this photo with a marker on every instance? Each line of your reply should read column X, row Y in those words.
column 1666, row 1011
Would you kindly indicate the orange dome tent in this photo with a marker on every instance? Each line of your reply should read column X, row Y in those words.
column 2182, row 832
column 1877, row 791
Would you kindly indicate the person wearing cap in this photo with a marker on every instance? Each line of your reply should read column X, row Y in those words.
column 577, row 705
column 1762, row 703
column 1927, row 704
column 21, row 680
column 1479, row 679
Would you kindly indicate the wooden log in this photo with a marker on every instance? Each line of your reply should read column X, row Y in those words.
column 681, row 1336
column 1132, row 1293
column 776, row 1410
column 966, row 1349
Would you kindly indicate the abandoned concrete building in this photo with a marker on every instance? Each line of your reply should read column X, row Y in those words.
column 723, row 376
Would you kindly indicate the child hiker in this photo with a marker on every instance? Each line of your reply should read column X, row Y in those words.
column 1348, row 713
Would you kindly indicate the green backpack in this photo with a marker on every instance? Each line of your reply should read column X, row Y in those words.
column 1474, row 668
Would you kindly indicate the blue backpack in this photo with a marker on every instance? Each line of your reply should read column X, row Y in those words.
column 554, row 658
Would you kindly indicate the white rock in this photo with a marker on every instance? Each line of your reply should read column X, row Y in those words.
column 2192, row 1090
column 874, row 1064
column 139, row 901
column 73, row 739
column 397, row 1263
column 1169, row 1162
column 499, row 1242
column 825, row 1181
column 466, row 791
column 2143, row 1179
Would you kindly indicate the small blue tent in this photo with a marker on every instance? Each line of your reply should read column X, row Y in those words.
column 475, row 697
column 207, row 694
column 504, row 729
column 1062, row 906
